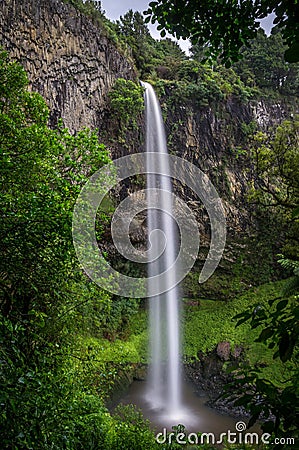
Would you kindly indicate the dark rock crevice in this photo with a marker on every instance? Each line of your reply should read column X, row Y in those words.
column 208, row 375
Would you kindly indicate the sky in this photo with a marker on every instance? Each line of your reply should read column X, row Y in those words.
column 116, row 8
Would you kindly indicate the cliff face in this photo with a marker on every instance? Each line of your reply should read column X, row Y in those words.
column 73, row 64
column 215, row 138
column 69, row 60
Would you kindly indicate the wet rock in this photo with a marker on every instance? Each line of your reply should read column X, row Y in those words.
column 237, row 351
column 140, row 372
column 208, row 375
column 223, row 350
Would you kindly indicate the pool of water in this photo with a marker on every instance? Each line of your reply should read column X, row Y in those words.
column 195, row 415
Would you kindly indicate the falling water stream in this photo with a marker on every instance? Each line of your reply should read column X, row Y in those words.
column 164, row 384
column 166, row 398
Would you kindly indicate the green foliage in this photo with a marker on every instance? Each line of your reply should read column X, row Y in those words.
column 246, row 270
column 262, row 398
column 155, row 58
column 42, row 172
column 262, row 385
column 127, row 103
column 221, row 286
column 90, row 8
column 277, row 322
column 222, row 28
column 131, row 430
column 167, row 59
column 249, row 128
column 276, row 184
column 292, row 286
column 38, row 398
column 50, row 403
column 200, row 85
column 47, row 400
column 263, row 65
column 275, row 190
column 218, row 317
column 133, row 31
column 118, row 319
column 277, row 164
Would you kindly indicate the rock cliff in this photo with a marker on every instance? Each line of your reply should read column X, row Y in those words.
column 215, row 138
column 74, row 64
column 69, row 60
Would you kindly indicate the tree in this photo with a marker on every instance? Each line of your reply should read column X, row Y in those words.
column 133, row 29
column 276, row 160
column 263, row 64
column 168, row 58
column 276, row 187
column 150, row 56
column 278, row 324
column 42, row 288
column 42, row 172
column 223, row 27
column 276, row 178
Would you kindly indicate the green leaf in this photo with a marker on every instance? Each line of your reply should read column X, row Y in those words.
column 286, row 347
column 281, row 305
column 265, row 334
column 295, row 212
column 243, row 401
column 241, row 321
column 253, row 419
column 292, row 54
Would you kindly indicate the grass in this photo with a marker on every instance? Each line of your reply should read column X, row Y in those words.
column 212, row 322
column 203, row 327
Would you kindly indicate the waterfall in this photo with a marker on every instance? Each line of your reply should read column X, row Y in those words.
column 164, row 383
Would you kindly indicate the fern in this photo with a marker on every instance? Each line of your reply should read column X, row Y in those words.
column 292, row 285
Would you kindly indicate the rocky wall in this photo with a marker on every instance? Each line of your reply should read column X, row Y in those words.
column 71, row 62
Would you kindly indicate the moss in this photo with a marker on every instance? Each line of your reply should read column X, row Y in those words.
column 126, row 101
column 212, row 322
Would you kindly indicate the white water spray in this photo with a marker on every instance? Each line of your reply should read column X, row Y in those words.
column 164, row 385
